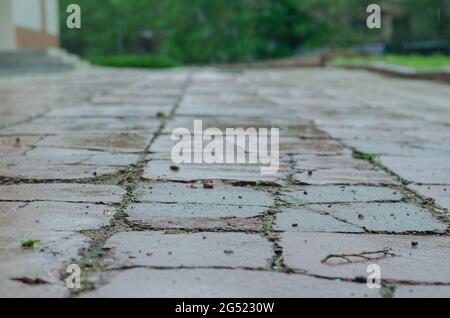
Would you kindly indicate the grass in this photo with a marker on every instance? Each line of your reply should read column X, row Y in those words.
column 364, row 156
column 30, row 243
column 133, row 61
column 418, row 62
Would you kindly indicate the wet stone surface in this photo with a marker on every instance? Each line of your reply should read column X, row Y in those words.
column 189, row 250
column 348, row 255
column 86, row 172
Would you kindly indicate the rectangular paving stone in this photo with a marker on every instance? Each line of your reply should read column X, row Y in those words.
column 405, row 291
column 302, row 220
column 44, row 126
column 69, row 192
column 296, row 127
column 343, row 170
column 285, row 144
column 46, row 221
column 160, row 170
column 189, row 250
column 428, row 262
column 115, row 98
column 428, row 170
column 440, row 194
column 224, row 283
column 383, row 217
column 49, row 155
column 344, row 176
column 55, row 172
column 337, row 194
column 220, row 194
column 104, row 111
column 12, row 150
column 46, row 261
column 403, row 149
column 196, row 216
column 107, row 142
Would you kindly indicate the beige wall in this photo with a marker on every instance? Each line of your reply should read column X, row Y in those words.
column 29, row 24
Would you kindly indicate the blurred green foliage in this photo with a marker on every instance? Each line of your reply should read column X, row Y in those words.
column 201, row 31
column 418, row 62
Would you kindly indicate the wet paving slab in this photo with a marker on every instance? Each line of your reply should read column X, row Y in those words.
column 60, row 192
column 287, row 127
column 106, row 142
column 219, row 194
column 59, row 126
column 103, row 111
column 440, row 194
column 427, row 170
column 55, row 172
column 196, row 216
column 374, row 217
column 225, row 283
column 156, row 249
column 161, row 170
column 405, row 258
column 300, row 195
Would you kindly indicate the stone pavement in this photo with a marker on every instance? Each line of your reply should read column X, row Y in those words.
column 85, row 170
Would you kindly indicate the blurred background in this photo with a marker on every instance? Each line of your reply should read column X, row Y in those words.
column 217, row 31
column 165, row 33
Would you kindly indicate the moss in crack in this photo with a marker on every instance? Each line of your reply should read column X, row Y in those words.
column 387, row 290
column 364, row 156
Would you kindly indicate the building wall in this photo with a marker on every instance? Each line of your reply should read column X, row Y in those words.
column 29, row 24
column 7, row 32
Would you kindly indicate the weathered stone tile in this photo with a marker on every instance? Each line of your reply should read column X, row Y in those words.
column 104, row 111
column 48, row 221
column 440, row 194
column 382, row 217
column 49, row 155
column 343, row 169
column 335, row 194
column 197, row 249
column 45, row 126
column 12, row 150
column 344, row 176
column 225, row 109
column 224, row 283
column 183, row 210
column 6, row 120
column 234, row 224
column 18, row 141
column 160, row 170
column 405, row 291
column 428, row 262
column 403, row 149
column 303, row 220
column 54, row 172
column 62, row 192
column 221, row 194
column 286, row 145
column 296, row 127
column 432, row 170
column 120, row 99
column 46, row 261
column 107, row 142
